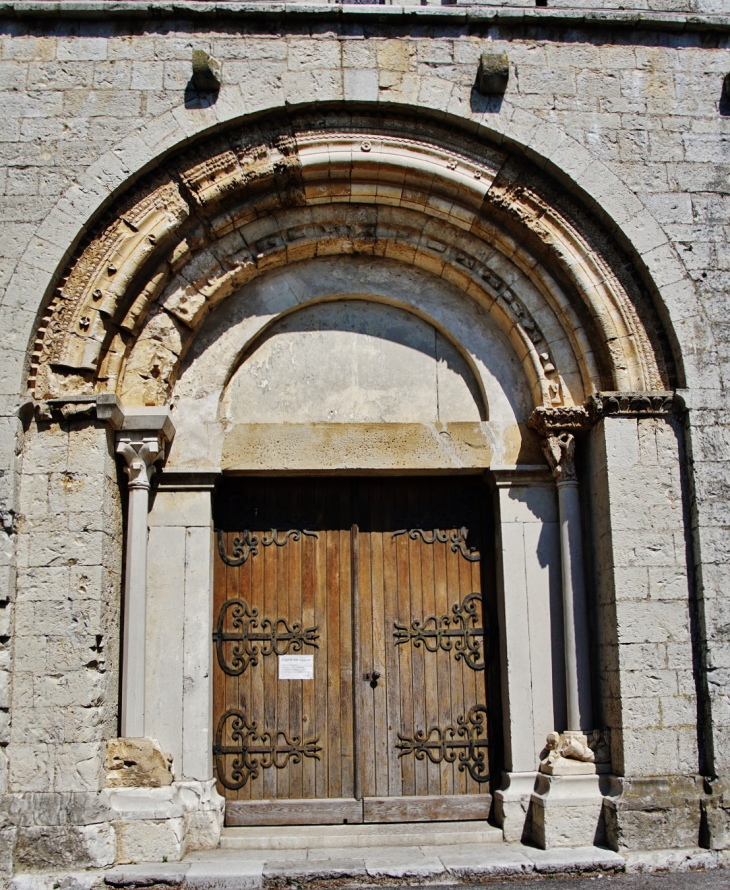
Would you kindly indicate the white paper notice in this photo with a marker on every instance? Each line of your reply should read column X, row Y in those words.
column 296, row 667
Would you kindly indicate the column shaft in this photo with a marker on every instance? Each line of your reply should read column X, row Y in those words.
column 135, row 604
column 575, row 610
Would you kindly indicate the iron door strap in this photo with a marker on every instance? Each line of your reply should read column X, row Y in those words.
column 457, row 539
column 246, row 543
column 466, row 741
column 457, row 631
column 253, row 637
column 253, row 751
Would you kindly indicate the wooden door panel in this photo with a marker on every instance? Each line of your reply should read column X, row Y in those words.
column 283, row 586
column 378, row 576
column 420, row 563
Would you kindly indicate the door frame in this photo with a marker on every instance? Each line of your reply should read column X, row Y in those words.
column 527, row 580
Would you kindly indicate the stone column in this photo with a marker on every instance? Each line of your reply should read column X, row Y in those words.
column 140, row 454
column 141, row 441
column 558, row 428
column 560, row 451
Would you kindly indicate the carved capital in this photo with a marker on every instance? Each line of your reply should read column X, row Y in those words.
column 140, row 453
column 560, row 453
column 632, row 404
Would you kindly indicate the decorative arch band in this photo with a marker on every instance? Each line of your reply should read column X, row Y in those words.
column 217, row 216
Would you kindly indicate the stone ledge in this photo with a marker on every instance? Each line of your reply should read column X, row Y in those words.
column 218, row 869
column 196, row 9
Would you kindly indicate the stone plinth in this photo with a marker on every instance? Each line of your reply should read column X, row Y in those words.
column 567, row 811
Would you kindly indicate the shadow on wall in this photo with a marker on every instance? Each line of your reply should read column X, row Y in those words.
column 485, row 104
column 725, row 97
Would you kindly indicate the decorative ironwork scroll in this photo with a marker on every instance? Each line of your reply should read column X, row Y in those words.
column 457, row 539
column 467, row 741
column 253, row 751
column 246, row 544
column 253, row 637
column 457, row 631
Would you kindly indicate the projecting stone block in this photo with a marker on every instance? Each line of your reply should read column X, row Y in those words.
column 493, row 74
column 137, row 763
column 206, row 71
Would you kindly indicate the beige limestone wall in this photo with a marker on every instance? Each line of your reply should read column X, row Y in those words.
column 65, row 664
column 640, row 570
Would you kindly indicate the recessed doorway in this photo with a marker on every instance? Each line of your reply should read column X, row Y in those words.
column 355, row 666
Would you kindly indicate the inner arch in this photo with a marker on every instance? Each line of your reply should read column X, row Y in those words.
column 350, row 361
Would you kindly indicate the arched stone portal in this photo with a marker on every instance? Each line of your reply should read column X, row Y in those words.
column 452, row 311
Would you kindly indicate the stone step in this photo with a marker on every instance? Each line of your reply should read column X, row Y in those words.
column 402, row 834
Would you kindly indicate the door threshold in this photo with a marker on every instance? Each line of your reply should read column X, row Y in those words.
column 402, row 834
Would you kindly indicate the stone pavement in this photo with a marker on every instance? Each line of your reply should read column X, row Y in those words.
column 436, row 867
column 366, row 866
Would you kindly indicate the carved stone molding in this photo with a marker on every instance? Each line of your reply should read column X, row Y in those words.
column 142, row 436
column 631, row 404
column 563, row 419
column 124, row 314
column 579, row 419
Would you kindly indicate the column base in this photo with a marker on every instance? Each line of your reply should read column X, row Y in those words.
column 512, row 806
column 568, row 811
column 163, row 824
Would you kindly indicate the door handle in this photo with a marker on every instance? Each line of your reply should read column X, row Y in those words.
column 372, row 677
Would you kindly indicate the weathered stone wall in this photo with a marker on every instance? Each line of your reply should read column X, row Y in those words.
column 66, row 645
column 588, row 98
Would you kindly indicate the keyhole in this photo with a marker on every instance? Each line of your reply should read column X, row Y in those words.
column 372, row 677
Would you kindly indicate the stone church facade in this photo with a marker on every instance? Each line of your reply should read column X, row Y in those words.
column 383, row 349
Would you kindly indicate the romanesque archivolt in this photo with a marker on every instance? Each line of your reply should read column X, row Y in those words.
column 210, row 221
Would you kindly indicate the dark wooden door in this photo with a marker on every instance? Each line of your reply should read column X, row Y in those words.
column 380, row 581
column 422, row 728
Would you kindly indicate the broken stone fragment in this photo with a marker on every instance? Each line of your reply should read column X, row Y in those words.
column 139, row 763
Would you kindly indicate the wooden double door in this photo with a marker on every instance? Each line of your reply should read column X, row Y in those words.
column 379, row 590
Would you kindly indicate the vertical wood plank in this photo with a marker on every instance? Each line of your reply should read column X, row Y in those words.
column 333, row 673
column 346, row 715
column 426, row 554
column 366, row 716
column 400, row 553
column 310, row 727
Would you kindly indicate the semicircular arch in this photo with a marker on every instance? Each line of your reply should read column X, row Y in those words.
column 285, row 190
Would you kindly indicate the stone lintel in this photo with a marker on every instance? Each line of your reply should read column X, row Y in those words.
column 176, row 479
column 394, row 447
column 534, row 475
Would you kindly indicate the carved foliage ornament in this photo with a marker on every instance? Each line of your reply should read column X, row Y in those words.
column 560, row 453
column 605, row 404
column 140, row 455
